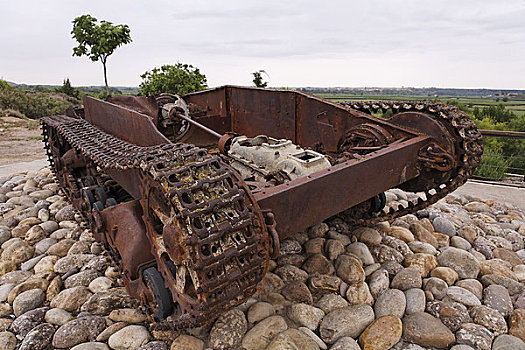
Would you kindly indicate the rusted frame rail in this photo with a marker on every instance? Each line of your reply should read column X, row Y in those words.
column 297, row 203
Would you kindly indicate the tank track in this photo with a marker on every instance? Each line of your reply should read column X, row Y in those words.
column 467, row 138
column 214, row 218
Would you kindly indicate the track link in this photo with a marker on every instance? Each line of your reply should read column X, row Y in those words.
column 469, row 148
column 206, row 230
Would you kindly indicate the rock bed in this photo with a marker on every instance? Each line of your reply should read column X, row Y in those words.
column 451, row 276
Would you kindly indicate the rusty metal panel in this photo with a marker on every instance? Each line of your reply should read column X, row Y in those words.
column 122, row 122
column 212, row 111
column 127, row 235
column 301, row 203
column 263, row 112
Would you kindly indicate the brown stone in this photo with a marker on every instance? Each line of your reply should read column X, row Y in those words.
column 442, row 239
column 381, row 334
column 424, row 263
column 423, row 235
column 446, row 274
column 401, row 233
column 507, row 255
column 425, row 330
column 6, row 266
column 497, row 268
column 517, row 324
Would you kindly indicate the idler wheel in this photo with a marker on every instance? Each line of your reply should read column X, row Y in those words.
column 163, row 306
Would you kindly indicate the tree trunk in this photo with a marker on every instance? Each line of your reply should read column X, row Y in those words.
column 106, row 79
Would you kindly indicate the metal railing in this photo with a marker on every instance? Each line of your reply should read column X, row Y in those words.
column 498, row 167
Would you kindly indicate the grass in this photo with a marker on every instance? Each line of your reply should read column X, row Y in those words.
column 517, row 106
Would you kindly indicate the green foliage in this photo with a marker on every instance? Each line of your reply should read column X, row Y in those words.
column 98, row 42
column 33, row 104
column 177, row 79
column 258, row 79
column 496, row 114
column 4, row 85
column 493, row 164
column 69, row 90
column 11, row 113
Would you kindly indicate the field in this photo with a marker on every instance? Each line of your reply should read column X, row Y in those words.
column 514, row 104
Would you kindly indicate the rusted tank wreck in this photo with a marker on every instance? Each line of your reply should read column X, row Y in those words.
column 192, row 194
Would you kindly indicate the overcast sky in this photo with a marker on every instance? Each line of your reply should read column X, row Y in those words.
column 387, row 43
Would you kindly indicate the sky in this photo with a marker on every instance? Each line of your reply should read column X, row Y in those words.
column 379, row 43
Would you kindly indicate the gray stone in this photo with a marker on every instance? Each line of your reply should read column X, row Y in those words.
column 378, row 282
column 463, row 296
column 306, row 315
column 130, row 337
column 26, row 322
column 368, row 235
column 346, row 322
column 78, row 331
column 29, row 264
column 422, row 247
column 391, row 302
column 345, row 343
column 508, row 342
column 425, row 330
column 334, row 248
column 436, row 286
column 460, row 243
column 128, row 315
column 464, row 263
column 291, row 273
column 91, row 346
column 475, row 336
column 7, row 340
column 415, row 301
column 511, row 285
column 263, row 332
column 290, row 246
column 71, row 262
column 396, row 244
column 27, row 301
column 228, row 330
column 39, row 338
column 406, row 279
column 472, row 285
column 4, row 290
column 71, row 299
column 81, row 279
column 498, row 298
column 382, row 253
column 292, row 339
column 259, row 311
column 330, row 302
column 443, row 225
column 489, row 318
column 66, row 213
column 58, row 317
column 350, row 269
column 102, row 303
column 314, row 337
column 100, row 284
column 185, row 342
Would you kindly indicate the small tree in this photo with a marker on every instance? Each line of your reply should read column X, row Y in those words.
column 258, row 79
column 177, row 79
column 98, row 41
column 69, row 90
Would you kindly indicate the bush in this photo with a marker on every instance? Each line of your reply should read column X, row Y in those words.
column 493, row 166
column 34, row 105
column 11, row 113
column 177, row 79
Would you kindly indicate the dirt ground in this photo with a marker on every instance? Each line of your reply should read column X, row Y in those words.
column 20, row 140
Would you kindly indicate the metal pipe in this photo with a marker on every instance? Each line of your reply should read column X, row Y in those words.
column 503, row 133
column 199, row 125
